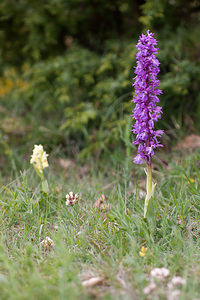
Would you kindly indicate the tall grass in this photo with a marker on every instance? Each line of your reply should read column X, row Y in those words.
column 94, row 242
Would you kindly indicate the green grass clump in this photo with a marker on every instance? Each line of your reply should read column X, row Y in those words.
column 99, row 242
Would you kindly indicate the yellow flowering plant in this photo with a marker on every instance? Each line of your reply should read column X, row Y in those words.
column 40, row 162
column 143, row 251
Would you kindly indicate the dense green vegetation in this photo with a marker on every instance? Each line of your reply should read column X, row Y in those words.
column 67, row 68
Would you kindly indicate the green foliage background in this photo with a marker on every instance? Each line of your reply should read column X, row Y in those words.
column 67, row 66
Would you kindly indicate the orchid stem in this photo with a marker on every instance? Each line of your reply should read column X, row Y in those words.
column 149, row 186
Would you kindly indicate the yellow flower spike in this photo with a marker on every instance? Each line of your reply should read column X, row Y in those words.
column 143, row 251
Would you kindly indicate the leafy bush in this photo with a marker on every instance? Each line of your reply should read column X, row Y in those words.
column 78, row 96
column 77, row 93
column 33, row 30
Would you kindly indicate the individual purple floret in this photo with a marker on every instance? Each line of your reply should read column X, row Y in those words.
column 146, row 111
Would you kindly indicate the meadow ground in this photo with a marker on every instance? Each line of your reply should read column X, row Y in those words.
column 95, row 251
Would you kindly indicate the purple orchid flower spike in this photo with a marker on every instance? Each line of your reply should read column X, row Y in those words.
column 146, row 111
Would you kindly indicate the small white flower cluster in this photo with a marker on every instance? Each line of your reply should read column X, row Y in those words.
column 47, row 243
column 176, row 280
column 149, row 288
column 39, row 158
column 158, row 275
column 173, row 292
column 71, row 198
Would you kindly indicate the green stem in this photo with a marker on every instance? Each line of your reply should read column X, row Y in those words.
column 149, row 186
column 45, row 187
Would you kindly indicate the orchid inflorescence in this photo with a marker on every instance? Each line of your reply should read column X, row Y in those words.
column 39, row 158
column 40, row 162
column 146, row 111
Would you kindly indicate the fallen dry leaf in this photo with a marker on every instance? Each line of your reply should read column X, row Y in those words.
column 3, row 110
column 15, row 125
column 105, row 206
column 92, row 281
column 190, row 143
column 101, row 203
column 122, row 278
column 66, row 163
column 84, row 170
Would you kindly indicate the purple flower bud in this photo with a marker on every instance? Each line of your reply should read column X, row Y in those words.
column 146, row 111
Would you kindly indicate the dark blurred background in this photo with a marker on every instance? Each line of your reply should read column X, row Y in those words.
column 66, row 68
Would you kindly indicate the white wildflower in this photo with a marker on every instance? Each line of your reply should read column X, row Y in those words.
column 150, row 288
column 176, row 281
column 160, row 273
column 39, row 158
column 174, row 295
column 47, row 243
